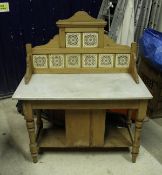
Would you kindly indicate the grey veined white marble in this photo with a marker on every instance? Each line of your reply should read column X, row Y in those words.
column 117, row 86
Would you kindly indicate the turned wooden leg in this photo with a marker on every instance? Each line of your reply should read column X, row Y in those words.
column 136, row 144
column 31, row 130
column 33, row 146
column 138, row 127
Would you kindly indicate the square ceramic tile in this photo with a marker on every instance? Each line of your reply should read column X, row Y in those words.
column 90, row 39
column 122, row 60
column 89, row 60
column 73, row 39
column 106, row 60
column 40, row 61
column 73, row 60
column 56, row 61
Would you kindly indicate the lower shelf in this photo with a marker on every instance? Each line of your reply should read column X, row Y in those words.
column 52, row 137
column 56, row 138
column 118, row 137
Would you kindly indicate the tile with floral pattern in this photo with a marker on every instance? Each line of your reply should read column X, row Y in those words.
column 89, row 60
column 90, row 39
column 122, row 60
column 73, row 60
column 56, row 60
column 40, row 61
column 73, row 39
column 106, row 60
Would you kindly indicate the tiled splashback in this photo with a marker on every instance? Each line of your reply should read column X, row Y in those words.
column 81, row 60
column 82, row 39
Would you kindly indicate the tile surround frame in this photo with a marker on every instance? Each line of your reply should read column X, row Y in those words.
column 63, row 31
column 81, row 55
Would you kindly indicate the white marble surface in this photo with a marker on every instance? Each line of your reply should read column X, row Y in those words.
column 117, row 86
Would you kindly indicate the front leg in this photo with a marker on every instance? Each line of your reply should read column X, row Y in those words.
column 138, row 127
column 31, row 130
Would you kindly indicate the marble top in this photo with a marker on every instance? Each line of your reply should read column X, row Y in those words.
column 116, row 86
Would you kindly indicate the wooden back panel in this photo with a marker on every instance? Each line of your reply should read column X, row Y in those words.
column 81, row 47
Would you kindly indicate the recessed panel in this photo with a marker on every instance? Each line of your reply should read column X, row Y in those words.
column 40, row 61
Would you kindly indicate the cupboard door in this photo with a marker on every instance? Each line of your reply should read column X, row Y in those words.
column 77, row 127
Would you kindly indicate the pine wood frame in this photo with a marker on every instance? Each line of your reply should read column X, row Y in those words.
column 80, row 22
column 96, row 106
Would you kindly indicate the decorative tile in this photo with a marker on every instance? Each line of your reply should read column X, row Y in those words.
column 89, row 60
column 73, row 60
column 73, row 39
column 40, row 61
column 106, row 60
column 90, row 39
column 122, row 60
column 56, row 61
